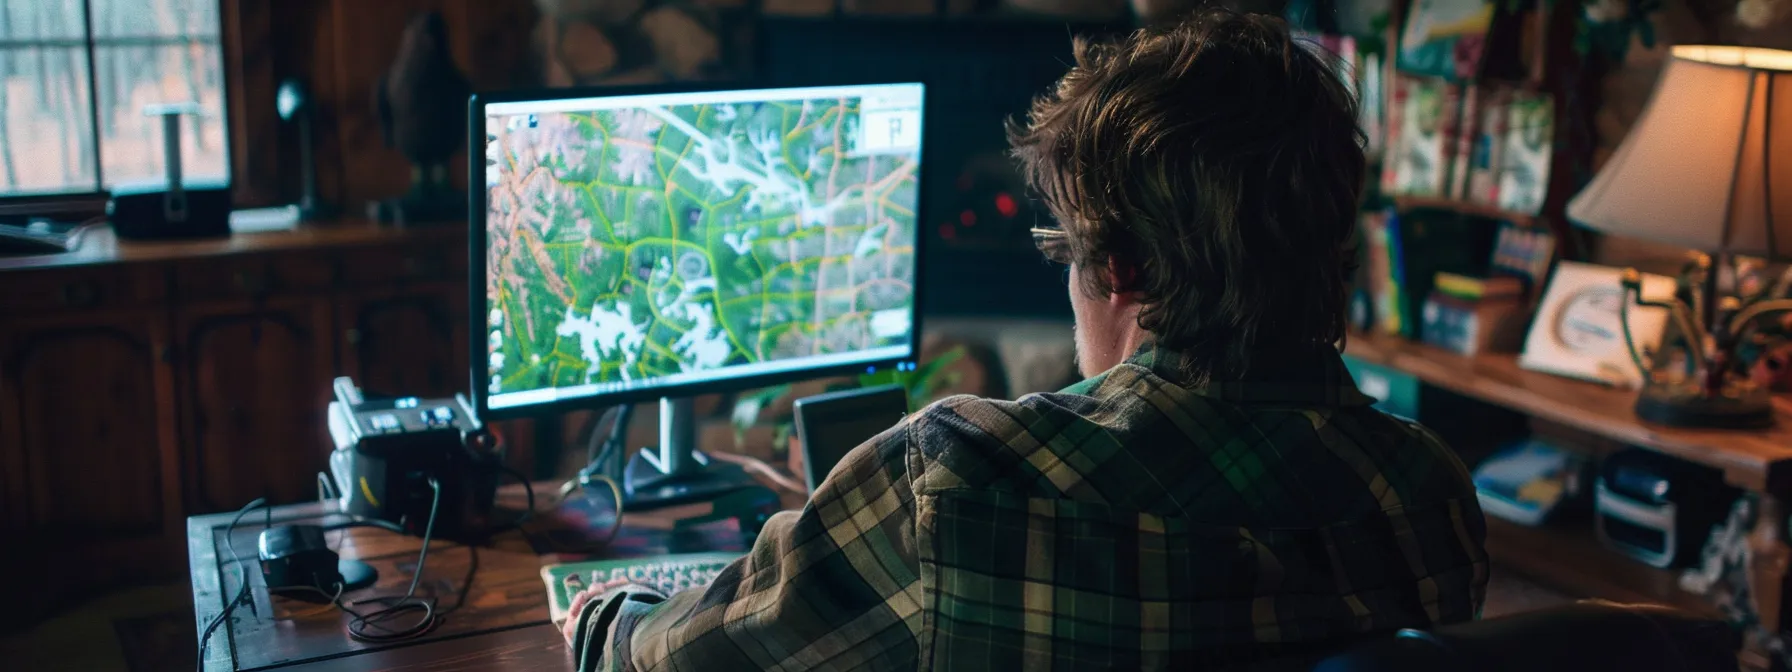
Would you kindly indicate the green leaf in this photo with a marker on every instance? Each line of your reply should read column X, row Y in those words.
column 781, row 438
column 926, row 381
column 885, row 377
column 748, row 405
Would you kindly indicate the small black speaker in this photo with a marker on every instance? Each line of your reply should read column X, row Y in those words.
column 162, row 214
column 175, row 208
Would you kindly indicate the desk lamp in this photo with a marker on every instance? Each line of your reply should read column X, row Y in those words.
column 293, row 102
column 1707, row 166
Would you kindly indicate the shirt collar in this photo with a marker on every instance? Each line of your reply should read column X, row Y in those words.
column 1313, row 375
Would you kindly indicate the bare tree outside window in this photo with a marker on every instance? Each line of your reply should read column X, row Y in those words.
column 54, row 54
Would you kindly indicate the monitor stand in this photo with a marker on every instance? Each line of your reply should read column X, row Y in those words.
column 677, row 472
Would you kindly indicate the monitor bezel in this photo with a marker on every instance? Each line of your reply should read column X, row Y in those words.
column 480, row 370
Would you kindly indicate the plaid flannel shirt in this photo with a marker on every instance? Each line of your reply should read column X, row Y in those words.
column 1130, row 521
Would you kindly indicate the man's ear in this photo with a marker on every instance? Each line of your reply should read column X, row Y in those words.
column 1122, row 278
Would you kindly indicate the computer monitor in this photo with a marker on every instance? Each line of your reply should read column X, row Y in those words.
column 663, row 243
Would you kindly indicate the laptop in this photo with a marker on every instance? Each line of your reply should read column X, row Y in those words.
column 831, row 425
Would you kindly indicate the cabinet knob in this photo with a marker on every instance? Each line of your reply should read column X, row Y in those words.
column 79, row 295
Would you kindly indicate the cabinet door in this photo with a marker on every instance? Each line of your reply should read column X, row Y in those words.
column 255, row 383
column 410, row 342
column 89, row 470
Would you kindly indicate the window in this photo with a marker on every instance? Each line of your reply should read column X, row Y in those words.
column 57, row 137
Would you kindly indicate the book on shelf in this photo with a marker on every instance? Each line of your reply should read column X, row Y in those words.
column 1463, row 135
column 1523, row 252
column 1527, row 152
column 1486, row 146
column 1473, row 288
column 1445, row 38
column 1372, row 115
column 1383, row 271
column 1393, row 142
column 1469, row 326
column 1427, row 138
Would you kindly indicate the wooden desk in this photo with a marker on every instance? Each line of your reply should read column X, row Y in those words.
column 502, row 623
column 534, row 647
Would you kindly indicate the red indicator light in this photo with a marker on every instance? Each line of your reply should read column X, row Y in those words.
column 1005, row 204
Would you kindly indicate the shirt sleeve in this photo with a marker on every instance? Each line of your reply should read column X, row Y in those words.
column 834, row 585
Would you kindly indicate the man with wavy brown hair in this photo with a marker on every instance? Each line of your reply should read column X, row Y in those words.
column 1216, row 492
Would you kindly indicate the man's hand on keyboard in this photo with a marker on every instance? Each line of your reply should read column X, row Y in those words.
column 599, row 593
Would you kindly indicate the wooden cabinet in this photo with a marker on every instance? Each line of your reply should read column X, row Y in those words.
column 90, row 468
column 255, row 383
column 141, row 384
column 408, row 341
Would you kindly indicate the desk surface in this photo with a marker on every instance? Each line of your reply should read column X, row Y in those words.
column 501, row 624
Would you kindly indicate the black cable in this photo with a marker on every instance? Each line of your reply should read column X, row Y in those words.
column 358, row 521
column 597, row 455
column 358, row 624
column 528, row 493
column 466, row 585
column 592, row 447
column 242, row 591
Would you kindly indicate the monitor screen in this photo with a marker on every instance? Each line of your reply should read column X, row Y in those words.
column 640, row 243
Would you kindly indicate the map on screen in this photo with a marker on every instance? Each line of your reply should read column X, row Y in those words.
column 653, row 240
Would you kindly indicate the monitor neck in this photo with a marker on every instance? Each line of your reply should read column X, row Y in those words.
column 677, row 453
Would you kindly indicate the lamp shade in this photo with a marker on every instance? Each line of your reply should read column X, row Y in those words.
column 1708, row 165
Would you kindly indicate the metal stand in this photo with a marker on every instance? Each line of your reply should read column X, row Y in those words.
column 676, row 471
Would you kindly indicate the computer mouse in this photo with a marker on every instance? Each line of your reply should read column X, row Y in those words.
column 296, row 562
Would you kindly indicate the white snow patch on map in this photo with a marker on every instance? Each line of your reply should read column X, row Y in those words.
column 607, row 334
column 871, row 242
column 742, row 242
column 704, row 346
column 891, row 323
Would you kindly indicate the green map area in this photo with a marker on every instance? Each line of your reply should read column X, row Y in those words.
column 634, row 243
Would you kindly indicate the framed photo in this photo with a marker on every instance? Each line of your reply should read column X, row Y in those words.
column 1577, row 331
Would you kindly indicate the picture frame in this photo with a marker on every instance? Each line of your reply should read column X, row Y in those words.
column 1577, row 332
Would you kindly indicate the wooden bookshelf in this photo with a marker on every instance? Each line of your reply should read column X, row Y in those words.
column 1569, row 558
column 1566, row 555
column 1757, row 460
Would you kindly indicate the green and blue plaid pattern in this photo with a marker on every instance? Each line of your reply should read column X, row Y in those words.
column 1132, row 521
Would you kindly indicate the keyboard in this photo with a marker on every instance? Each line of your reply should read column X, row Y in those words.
column 39, row 238
column 669, row 573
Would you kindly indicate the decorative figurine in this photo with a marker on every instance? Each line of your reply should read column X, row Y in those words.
column 421, row 103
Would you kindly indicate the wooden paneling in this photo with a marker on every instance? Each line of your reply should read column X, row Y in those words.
column 255, row 385
column 406, row 341
column 265, row 42
column 91, row 466
column 64, row 291
column 100, row 386
column 340, row 48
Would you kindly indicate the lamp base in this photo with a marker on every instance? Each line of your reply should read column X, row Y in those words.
column 1674, row 407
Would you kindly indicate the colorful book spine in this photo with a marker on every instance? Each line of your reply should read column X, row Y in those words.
column 1529, row 146
column 1394, row 141
column 1489, row 144
column 1467, row 125
column 1449, row 115
column 1422, row 168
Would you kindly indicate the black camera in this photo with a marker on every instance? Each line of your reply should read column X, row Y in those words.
column 389, row 451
